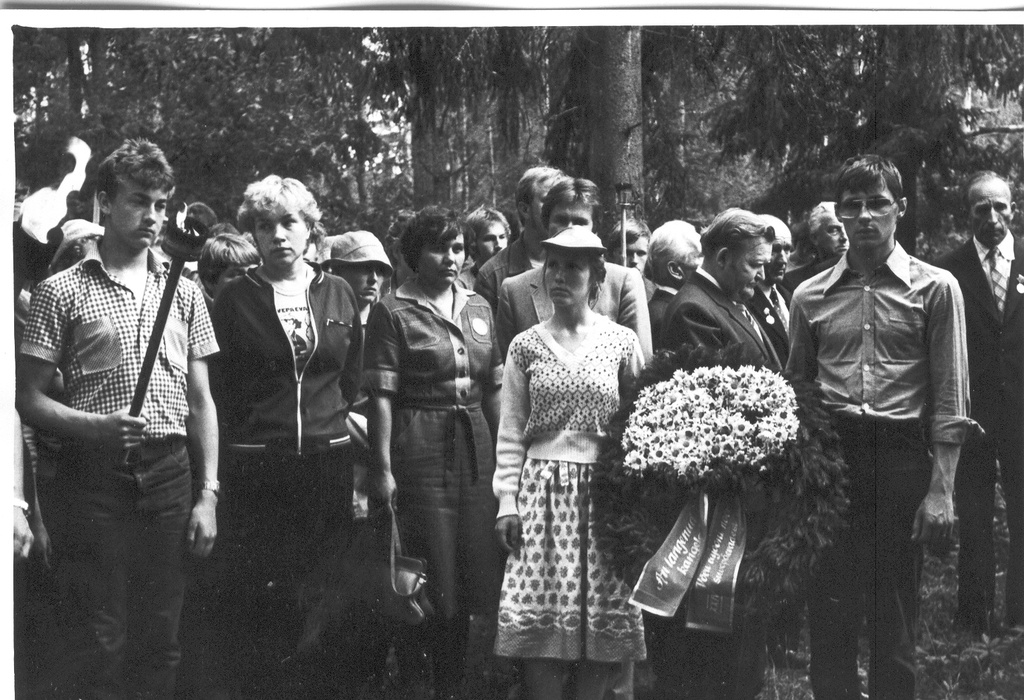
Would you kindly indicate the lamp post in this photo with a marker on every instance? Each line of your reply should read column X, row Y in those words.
column 625, row 202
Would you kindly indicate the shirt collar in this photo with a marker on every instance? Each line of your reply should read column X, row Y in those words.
column 898, row 263
column 411, row 291
column 666, row 288
column 1005, row 248
column 93, row 259
column 707, row 275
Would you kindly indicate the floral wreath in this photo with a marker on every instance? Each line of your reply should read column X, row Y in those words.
column 790, row 465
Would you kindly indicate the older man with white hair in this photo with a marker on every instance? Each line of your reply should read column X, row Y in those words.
column 770, row 303
column 673, row 255
column 830, row 242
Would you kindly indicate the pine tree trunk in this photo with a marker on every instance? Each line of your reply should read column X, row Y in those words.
column 76, row 74
column 429, row 164
column 614, row 111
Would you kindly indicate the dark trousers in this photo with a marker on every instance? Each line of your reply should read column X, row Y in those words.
column 281, row 515
column 122, row 572
column 975, row 506
column 695, row 665
column 872, row 572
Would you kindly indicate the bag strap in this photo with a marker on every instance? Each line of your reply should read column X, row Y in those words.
column 396, row 546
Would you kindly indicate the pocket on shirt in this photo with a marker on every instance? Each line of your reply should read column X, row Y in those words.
column 176, row 344
column 335, row 338
column 423, row 334
column 900, row 341
column 97, row 345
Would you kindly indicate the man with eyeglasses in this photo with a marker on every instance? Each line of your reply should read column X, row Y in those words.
column 882, row 334
column 990, row 270
column 828, row 236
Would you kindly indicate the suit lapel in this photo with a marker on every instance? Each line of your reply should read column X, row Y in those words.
column 973, row 279
column 1015, row 283
column 768, row 318
column 740, row 319
column 541, row 301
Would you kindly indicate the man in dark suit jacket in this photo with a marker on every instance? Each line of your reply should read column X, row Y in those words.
column 995, row 350
column 709, row 310
column 770, row 303
column 674, row 257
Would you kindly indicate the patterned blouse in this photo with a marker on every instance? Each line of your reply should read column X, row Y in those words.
column 555, row 403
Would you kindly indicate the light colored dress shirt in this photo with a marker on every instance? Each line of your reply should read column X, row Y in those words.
column 889, row 345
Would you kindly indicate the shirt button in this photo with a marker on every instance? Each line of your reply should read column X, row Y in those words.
column 867, row 287
column 864, row 407
column 867, row 326
column 867, row 367
column 462, row 351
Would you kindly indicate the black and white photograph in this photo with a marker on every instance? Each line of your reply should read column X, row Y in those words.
column 426, row 352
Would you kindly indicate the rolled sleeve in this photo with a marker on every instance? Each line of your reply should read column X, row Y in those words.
column 381, row 355
column 46, row 328
column 947, row 350
column 202, row 341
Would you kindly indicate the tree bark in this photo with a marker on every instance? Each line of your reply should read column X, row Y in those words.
column 614, row 111
column 429, row 156
column 906, row 228
column 94, row 96
column 76, row 74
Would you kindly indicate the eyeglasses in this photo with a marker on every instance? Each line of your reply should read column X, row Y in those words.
column 851, row 208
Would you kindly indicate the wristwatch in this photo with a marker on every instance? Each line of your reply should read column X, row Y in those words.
column 212, row 486
column 22, row 504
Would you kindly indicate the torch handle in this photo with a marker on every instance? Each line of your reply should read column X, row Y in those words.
column 142, row 385
column 622, row 229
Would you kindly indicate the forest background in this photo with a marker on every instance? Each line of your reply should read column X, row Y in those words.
column 696, row 117
column 380, row 119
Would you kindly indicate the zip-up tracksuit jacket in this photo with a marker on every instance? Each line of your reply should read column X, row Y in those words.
column 261, row 399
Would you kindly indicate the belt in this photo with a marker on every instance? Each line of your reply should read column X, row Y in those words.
column 460, row 413
column 910, row 429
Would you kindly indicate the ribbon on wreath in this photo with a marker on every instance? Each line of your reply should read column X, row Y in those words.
column 667, row 575
column 698, row 556
column 713, row 599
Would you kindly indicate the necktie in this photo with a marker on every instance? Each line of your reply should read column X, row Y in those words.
column 779, row 306
column 998, row 280
column 752, row 321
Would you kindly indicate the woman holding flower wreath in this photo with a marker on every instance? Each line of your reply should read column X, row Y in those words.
column 561, row 603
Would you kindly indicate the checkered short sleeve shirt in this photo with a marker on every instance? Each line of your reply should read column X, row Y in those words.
column 85, row 322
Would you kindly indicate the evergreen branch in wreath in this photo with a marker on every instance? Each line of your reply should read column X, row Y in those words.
column 801, row 492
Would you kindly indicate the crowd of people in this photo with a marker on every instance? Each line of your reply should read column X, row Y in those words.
column 463, row 370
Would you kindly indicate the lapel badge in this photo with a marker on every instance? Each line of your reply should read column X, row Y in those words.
column 768, row 318
column 1020, row 284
